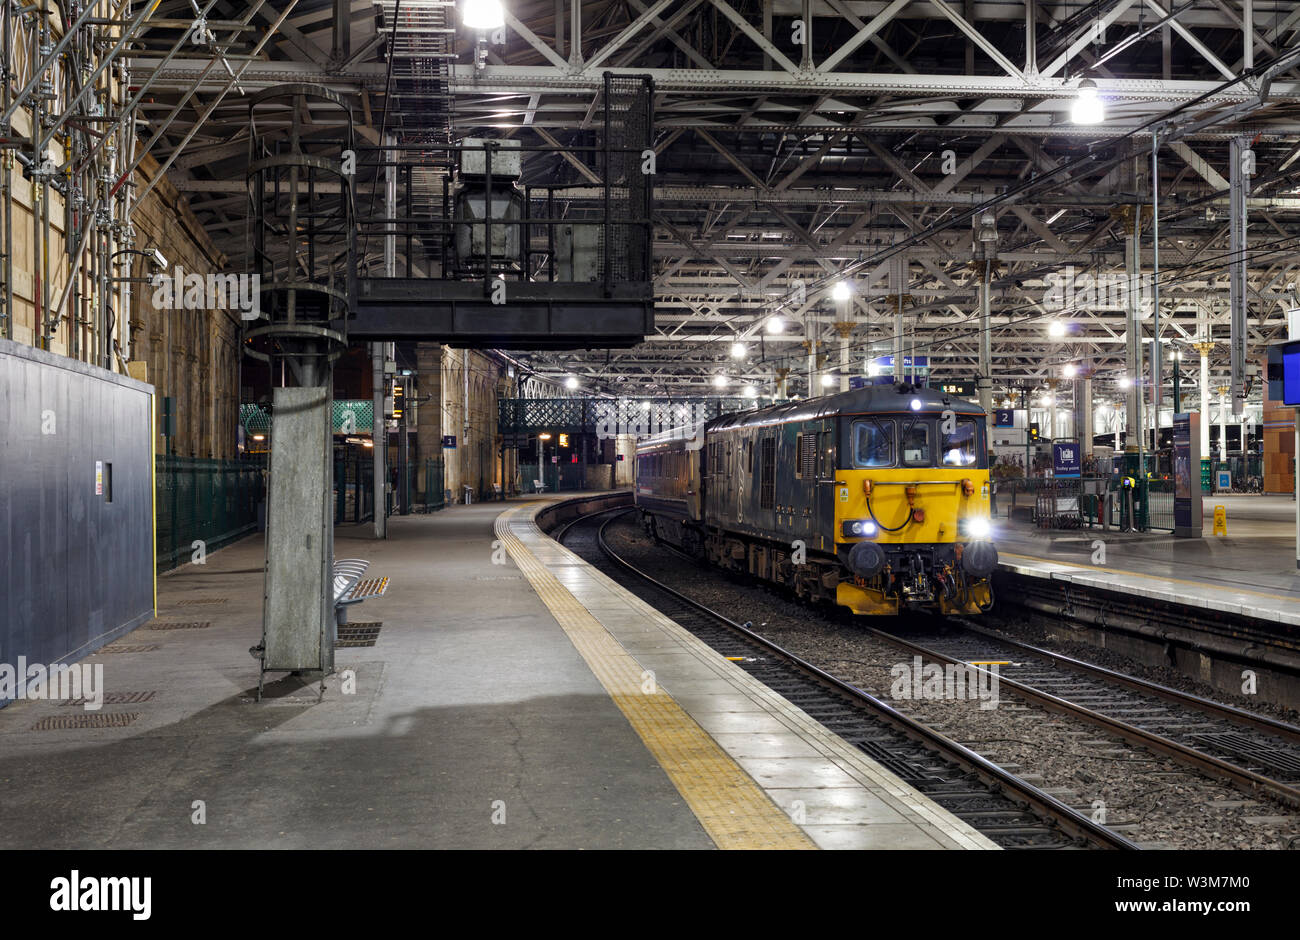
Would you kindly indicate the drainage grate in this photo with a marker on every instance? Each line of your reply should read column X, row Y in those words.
column 1274, row 757
column 358, row 633
column 193, row 601
column 172, row 625
column 86, row 720
column 146, row 648
column 116, row 698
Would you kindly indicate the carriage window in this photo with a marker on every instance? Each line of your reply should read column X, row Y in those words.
column 873, row 443
column 959, row 447
column 915, row 444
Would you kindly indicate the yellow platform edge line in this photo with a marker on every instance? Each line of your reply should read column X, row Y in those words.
column 1141, row 574
column 733, row 810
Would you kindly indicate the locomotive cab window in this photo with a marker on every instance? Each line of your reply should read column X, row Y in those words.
column 873, row 443
column 961, row 447
column 915, row 444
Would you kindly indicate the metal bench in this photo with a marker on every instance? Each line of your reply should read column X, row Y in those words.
column 539, row 486
column 350, row 587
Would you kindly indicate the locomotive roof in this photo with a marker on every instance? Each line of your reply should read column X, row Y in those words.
column 871, row 399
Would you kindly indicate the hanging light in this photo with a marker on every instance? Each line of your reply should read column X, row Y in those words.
column 738, row 350
column 1087, row 108
column 1056, row 329
column 775, row 324
column 571, row 382
column 827, row 380
column 841, row 291
column 720, row 381
column 749, row 391
column 988, row 230
column 1071, row 371
column 483, row 14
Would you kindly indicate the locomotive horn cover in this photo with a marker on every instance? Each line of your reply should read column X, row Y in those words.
column 866, row 559
column 979, row 559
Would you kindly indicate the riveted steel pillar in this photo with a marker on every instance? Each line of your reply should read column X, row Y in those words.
column 302, row 263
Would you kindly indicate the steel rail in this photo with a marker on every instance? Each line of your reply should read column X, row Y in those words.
column 1213, row 766
column 1209, row 706
column 1071, row 821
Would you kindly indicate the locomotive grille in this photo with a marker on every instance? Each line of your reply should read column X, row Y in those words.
column 767, row 484
column 807, row 455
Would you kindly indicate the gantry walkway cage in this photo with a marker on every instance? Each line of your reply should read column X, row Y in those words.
column 496, row 241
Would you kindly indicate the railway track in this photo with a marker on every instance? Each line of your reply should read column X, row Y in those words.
column 1010, row 811
column 1253, row 752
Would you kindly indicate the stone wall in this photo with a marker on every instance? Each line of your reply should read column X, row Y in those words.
column 191, row 356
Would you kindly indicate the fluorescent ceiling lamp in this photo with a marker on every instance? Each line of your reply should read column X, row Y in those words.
column 483, row 14
column 1087, row 108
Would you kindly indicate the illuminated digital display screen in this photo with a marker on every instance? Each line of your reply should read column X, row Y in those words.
column 1291, row 374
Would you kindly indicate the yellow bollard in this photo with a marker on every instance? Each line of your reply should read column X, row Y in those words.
column 1220, row 520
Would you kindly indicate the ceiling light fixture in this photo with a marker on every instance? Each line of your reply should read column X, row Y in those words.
column 1087, row 108
column 483, row 14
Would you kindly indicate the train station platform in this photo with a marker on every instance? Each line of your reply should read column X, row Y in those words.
column 1250, row 572
column 500, row 701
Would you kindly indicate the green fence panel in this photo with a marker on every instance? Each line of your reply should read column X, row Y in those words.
column 212, row 501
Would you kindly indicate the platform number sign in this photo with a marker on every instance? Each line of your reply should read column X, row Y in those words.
column 1004, row 418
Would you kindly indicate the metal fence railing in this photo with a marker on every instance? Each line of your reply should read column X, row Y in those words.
column 213, row 502
column 1089, row 502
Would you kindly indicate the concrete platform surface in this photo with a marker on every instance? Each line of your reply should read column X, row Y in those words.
column 1251, row 571
column 480, row 718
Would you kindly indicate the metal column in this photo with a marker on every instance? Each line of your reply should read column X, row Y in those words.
column 1133, row 340
column 1239, row 189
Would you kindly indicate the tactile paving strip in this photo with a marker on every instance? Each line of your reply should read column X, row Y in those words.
column 176, row 625
column 732, row 808
column 195, row 601
column 147, row 648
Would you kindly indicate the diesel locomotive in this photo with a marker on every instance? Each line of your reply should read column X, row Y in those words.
column 876, row 499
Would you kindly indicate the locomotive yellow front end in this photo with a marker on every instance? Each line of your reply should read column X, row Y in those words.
column 912, row 514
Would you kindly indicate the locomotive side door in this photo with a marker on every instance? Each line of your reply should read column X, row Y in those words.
column 824, row 498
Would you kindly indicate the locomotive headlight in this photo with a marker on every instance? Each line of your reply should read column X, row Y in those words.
column 916, row 404
column 977, row 528
column 859, row 528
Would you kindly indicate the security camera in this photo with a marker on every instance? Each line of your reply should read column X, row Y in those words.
column 159, row 259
